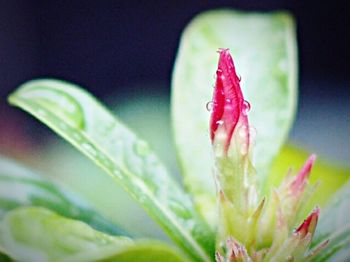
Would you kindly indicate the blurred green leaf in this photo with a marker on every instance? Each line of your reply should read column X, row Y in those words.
column 37, row 234
column 91, row 128
column 21, row 187
column 145, row 252
column 334, row 225
column 329, row 177
column 3, row 256
column 264, row 49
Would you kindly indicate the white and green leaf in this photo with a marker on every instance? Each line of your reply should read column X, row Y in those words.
column 334, row 225
column 20, row 186
column 264, row 49
column 38, row 234
column 91, row 128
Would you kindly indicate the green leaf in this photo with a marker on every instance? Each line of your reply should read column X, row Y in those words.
column 4, row 257
column 37, row 234
column 329, row 177
column 264, row 49
column 91, row 128
column 334, row 225
column 19, row 186
column 145, row 252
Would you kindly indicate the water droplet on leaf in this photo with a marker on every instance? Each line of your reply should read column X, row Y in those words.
column 142, row 148
column 89, row 148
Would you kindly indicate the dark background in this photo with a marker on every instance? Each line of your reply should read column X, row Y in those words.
column 118, row 46
column 106, row 44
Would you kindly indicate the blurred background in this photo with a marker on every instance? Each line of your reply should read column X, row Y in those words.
column 123, row 52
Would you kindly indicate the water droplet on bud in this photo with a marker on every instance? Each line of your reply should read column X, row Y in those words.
column 244, row 149
column 209, row 106
column 252, row 133
column 239, row 78
column 245, row 107
column 242, row 131
column 220, row 122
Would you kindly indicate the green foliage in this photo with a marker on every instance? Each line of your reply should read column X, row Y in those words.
column 334, row 225
column 264, row 49
column 61, row 227
column 91, row 128
column 21, row 187
column 37, row 234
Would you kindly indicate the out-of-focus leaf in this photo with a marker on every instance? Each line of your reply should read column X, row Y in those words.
column 3, row 256
column 334, row 225
column 21, row 187
column 145, row 252
column 328, row 177
column 37, row 234
column 264, row 49
column 91, row 128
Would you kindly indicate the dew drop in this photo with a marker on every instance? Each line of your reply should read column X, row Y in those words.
column 239, row 78
column 228, row 100
column 42, row 112
column 89, row 149
column 252, row 133
column 242, row 131
column 244, row 149
column 117, row 174
column 141, row 148
column 76, row 136
column 220, row 122
column 62, row 126
column 245, row 107
column 209, row 106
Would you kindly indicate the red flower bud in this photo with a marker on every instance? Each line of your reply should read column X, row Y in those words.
column 229, row 107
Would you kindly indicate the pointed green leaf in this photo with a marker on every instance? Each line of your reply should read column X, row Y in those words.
column 91, row 128
column 334, row 225
column 21, row 187
column 264, row 49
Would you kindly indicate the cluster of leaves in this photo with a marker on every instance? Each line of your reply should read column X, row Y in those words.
column 41, row 221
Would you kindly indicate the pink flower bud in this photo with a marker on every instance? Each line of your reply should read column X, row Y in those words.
column 309, row 225
column 301, row 179
column 229, row 108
